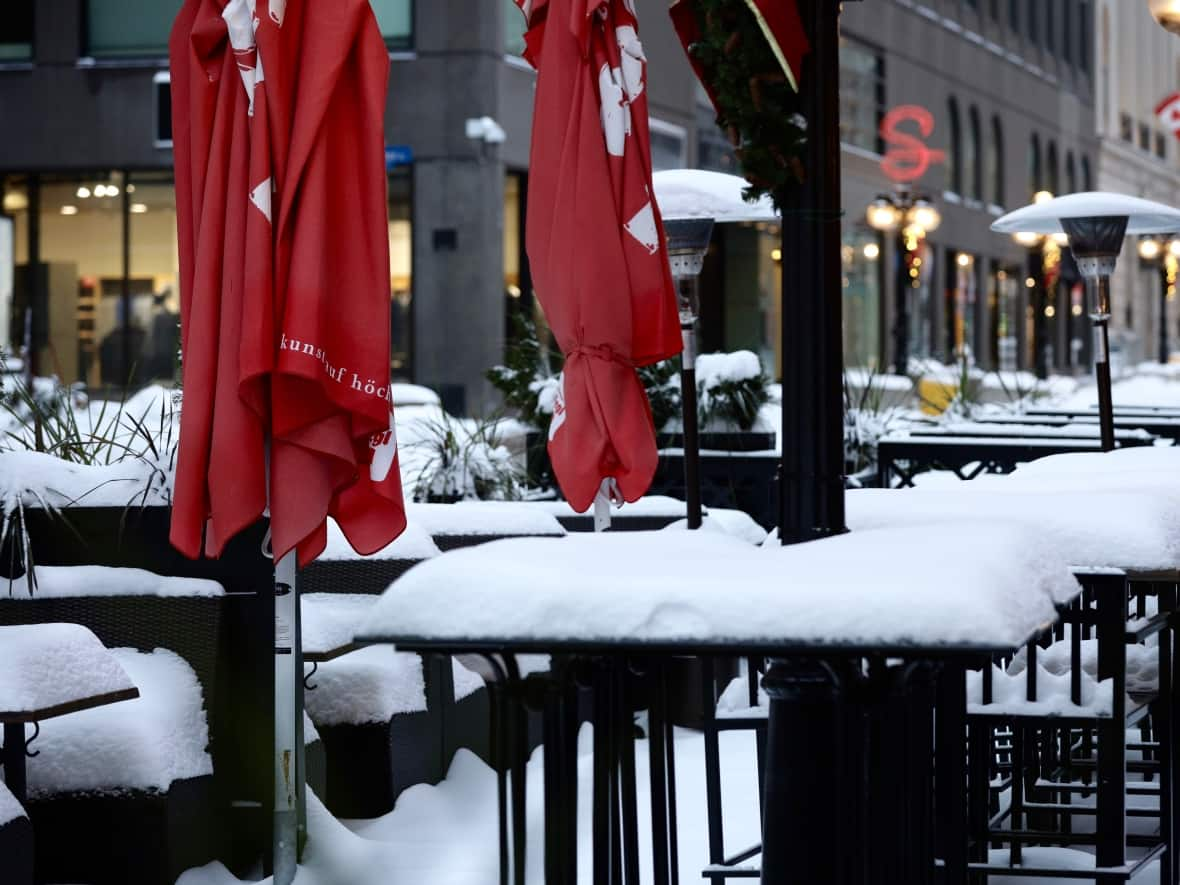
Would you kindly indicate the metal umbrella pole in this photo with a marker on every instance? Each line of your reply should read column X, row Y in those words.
column 288, row 720
column 688, row 240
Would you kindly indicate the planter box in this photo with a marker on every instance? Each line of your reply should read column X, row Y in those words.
column 16, row 852
column 352, row 575
column 234, row 660
column 746, row 481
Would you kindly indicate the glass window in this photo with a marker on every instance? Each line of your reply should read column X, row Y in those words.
column 129, row 28
column 1067, row 39
column 860, row 255
column 1161, row 146
column 973, row 156
column 1014, row 15
column 1087, row 32
column 401, row 275
column 1050, row 25
column 153, row 275
column 1144, row 137
column 1003, row 303
column 954, row 152
column 1034, row 14
column 713, row 149
column 1126, row 127
column 862, row 96
column 1034, row 164
column 396, row 20
column 668, row 143
column 995, row 170
column 1071, row 174
column 513, row 28
column 1087, row 183
column 16, row 31
column 1053, row 182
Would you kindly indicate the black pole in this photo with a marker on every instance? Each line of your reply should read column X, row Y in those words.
column 901, row 322
column 125, row 295
column 812, row 477
column 1036, row 273
column 1163, row 323
column 692, row 445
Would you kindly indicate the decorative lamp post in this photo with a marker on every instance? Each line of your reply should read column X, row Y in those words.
column 1095, row 224
column 690, row 201
column 1167, row 13
column 1166, row 256
column 911, row 217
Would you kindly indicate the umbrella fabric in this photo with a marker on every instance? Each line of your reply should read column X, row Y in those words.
column 284, row 274
column 595, row 241
column 777, row 19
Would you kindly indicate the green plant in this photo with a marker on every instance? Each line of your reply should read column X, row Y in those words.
column 866, row 419
column 528, row 377
column 454, row 459
column 662, row 382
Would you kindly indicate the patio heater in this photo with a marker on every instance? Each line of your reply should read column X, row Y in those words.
column 1167, row 13
column 1096, row 224
column 688, row 240
column 691, row 201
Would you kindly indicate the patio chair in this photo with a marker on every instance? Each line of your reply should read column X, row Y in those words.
column 16, row 841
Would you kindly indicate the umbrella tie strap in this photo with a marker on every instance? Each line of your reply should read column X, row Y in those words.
column 602, row 352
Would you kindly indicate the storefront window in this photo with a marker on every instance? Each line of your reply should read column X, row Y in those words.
column 741, row 293
column 921, row 304
column 860, row 255
column 396, row 20
column 129, row 28
column 862, row 95
column 667, row 145
column 1003, row 294
column 153, row 275
column 401, row 276
column 14, row 211
column 16, row 31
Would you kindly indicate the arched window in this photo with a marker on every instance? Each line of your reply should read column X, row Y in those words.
column 1087, row 182
column 955, row 149
column 1034, row 164
column 1052, row 181
column 995, row 163
column 1071, row 174
column 973, row 156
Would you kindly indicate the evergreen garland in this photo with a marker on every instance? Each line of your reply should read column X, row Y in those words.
column 756, row 106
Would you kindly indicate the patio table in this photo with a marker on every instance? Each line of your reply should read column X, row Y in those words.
column 49, row 670
column 822, row 786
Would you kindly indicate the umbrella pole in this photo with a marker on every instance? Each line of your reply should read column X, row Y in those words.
column 288, row 720
column 692, row 443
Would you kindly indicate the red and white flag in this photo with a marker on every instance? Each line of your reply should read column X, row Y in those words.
column 1168, row 113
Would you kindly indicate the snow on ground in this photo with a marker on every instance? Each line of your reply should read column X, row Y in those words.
column 662, row 586
column 47, row 665
column 447, row 834
column 61, row 581
column 142, row 744
column 414, row 543
column 648, row 505
column 368, row 685
column 10, row 809
column 737, row 523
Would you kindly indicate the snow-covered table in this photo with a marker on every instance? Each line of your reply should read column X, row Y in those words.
column 49, row 670
column 628, row 601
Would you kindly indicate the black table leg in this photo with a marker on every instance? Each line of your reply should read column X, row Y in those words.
column 626, row 771
column 1111, row 822
column 657, row 765
column 603, row 794
column 951, row 773
column 14, row 760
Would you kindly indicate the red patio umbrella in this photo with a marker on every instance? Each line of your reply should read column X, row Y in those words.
column 596, row 243
column 278, row 135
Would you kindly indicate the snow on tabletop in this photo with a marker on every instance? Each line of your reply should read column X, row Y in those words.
column 696, row 193
column 737, row 523
column 65, row 581
column 329, row 620
column 1073, row 429
column 648, row 505
column 1133, row 527
column 46, row 665
column 37, row 479
column 973, row 583
column 414, row 543
column 1139, row 390
column 143, row 744
column 1100, row 468
column 998, row 439
column 402, row 394
column 369, row 685
column 484, row 518
column 10, row 809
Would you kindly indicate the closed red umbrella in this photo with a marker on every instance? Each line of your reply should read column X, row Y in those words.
column 284, row 261
column 595, row 241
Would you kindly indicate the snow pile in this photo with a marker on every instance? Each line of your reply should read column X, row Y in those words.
column 980, row 584
column 47, row 665
column 1010, row 693
column 143, row 744
column 1137, row 390
column 329, row 620
column 413, row 543
column 368, row 685
column 1142, row 662
column 734, row 702
column 484, row 518
column 477, row 672
column 35, row 479
column 10, row 809
column 64, row 581
column 403, row 395
column 736, row 523
column 467, row 682
column 715, row 369
column 696, row 193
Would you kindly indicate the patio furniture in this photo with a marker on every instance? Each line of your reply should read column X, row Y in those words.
column 16, row 840
column 901, row 456
column 617, row 606
column 1165, row 425
column 741, row 480
column 50, row 670
column 467, row 523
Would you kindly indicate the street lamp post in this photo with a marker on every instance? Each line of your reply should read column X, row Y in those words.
column 1037, row 246
column 1166, row 257
column 911, row 217
column 1095, row 225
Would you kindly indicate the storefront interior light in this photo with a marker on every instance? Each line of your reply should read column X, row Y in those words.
column 776, row 254
column 130, row 188
column 1027, row 239
column 1030, row 283
column 1042, row 197
column 964, row 260
column 871, row 251
column 82, row 193
column 138, row 208
column 924, row 215
column 1167, row 13
column 1076, row 310
column 1061, row 240
column 1174, row 248
column 882, row 214
column 69, row 210
column 15, row 201
column 1050, row 311
column 100, row 190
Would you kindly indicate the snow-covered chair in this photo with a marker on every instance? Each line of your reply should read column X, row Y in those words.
column 125, row 794
column 16, row 841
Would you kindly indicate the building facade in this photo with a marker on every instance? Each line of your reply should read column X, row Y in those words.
column 1139, row 65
